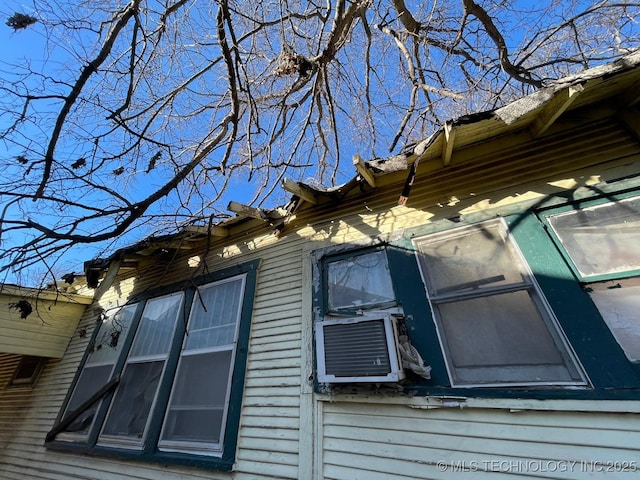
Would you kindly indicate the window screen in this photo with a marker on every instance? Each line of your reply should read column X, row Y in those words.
column 494, row 325
column 359, row 281
column 602, row 239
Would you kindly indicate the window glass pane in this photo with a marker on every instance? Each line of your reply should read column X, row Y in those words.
column 132, row 404
column 28, row 370
column 359, row 281
column 619, row 307
column 507, row 330
column 157, row 324
column 92, row 379
column 214, row 315
column 494, row 326
column 111, row 336
column 471, row 258
column 97, row 371
column 197, row 405
column 135, row 394
column 603, row 239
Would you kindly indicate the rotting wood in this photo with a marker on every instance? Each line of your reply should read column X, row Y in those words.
column 554, row 108
column 300, row 190
column 253, row 212
column 364, row 171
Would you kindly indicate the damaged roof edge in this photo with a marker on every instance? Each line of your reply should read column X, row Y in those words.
column 507, row 115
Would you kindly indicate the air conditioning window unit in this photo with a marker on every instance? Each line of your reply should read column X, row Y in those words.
column 358, row 349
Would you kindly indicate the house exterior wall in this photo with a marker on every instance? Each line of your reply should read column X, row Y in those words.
column 47, row 330
column 289, row 431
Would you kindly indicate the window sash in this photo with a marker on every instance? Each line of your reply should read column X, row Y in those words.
column 147, row 356
column 463, row 282
column 618, row 302
column 600, row 241
column 218, row 304
column 358, row 281
column 102, row 358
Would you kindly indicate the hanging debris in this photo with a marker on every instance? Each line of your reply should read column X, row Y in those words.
column 23, row 306
column 18, row 21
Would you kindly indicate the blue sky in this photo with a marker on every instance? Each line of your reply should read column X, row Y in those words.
column 369, row 134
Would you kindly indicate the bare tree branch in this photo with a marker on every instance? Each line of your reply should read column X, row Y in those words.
column 141, row 117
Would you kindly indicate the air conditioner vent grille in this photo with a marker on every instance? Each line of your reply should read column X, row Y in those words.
column 356, row 349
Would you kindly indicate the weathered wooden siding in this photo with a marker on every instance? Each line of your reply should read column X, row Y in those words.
column 286, row 432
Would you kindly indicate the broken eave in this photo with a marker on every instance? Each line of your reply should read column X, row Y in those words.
column 612, row 88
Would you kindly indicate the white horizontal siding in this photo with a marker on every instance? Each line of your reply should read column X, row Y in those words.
column 269, row 423
column 403, row 442
column 268, row 438
column 45, row 332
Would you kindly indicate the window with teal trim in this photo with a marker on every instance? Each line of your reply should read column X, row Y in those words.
column 601, row 242
column 492, row 307
column 494, row 325
column 163, row 377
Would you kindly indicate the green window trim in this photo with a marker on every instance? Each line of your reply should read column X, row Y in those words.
column 548, row 214
column 611, row 375
column 224, row 460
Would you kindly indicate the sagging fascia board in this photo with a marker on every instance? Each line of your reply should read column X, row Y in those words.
column 300, row 190
column 364, row 171
column 554, row 108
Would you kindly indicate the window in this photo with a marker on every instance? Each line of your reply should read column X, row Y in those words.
column 494, row 326
column 163, row 377
column 28, row 371
column 601, row 242
column 495, row 308
column 357, row 282
column 98, row 369
column 361, row 334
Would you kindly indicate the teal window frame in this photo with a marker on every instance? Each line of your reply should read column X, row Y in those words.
column 592, row 282
column 326, row 260
column 545, row 214
column 149, row 451
column 611, row 374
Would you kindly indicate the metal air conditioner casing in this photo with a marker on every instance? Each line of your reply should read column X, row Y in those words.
column 361, row 349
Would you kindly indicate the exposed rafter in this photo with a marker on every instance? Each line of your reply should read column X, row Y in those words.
column 301, row 190
column 448, row 137
column 253, row 212
column 364, row 171
column 552, row 110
